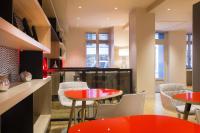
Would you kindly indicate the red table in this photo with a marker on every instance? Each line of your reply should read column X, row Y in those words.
column 189, row 98
column 88, row 95
column 137, row 124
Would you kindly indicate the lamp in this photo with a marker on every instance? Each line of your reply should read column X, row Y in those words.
column 123, row 53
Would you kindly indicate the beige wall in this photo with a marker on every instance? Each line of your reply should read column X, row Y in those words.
column 177, row 56
column 121, row 40
column 76, row 45
column 121, row 37
column 142, row 32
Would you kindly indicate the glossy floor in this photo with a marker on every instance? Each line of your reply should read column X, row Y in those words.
column 152, row 106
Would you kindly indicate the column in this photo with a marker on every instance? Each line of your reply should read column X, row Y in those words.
column 141, row 45
column 177, row 57
column 196, row 47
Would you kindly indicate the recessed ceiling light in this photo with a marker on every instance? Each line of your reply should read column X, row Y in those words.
column 78, row 18
column 79, row 7
column 169, row 9
column 116, row 8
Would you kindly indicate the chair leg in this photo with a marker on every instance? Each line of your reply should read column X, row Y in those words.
column 75, row 116
column 179, row 115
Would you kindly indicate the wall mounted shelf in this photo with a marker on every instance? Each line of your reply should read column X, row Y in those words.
column 12, row 37
column 31, row 10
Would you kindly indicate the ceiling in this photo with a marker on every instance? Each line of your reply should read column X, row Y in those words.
column 174, row 15
column 170, row 14
column 101, row 13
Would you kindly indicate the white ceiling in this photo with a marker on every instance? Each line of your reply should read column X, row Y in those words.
column 101, row 13
column 179, row 17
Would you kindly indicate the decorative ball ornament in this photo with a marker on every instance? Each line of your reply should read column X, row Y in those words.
column 26, row 76
column 4, row 83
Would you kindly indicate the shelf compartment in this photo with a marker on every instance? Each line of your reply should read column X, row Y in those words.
column 12, row 37
column 32, row 11
column 41, row 125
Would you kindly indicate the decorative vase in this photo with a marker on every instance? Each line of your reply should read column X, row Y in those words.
column 4, row 83
column 55, row 65
column 26, row 76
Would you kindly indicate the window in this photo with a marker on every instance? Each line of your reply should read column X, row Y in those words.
column 91, row 54
column 159, row 57
column 97, row 50
column 189, row 51
column 159, row 36
column 159, row 62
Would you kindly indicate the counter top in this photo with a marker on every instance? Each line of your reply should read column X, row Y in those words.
column 18, row 92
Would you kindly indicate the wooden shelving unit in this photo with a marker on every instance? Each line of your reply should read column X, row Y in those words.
column 31, row 10
column 41, row 125
column 12, row 37
column 40, row 90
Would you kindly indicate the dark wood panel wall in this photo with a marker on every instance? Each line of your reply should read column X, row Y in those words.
column 32, row 61
column 196, row 47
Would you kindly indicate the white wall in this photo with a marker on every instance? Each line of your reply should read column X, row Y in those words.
column 142, row 60
column 177, row 56
column 75, row 43
column 121, row 40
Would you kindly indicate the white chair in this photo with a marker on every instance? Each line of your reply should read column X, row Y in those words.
column 170, row 104
column 65, row 86
column 198, row 116
column 130, row 104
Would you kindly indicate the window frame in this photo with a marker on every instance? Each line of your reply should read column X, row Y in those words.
column 161, row 41
column 189, row 44
column 97, row 42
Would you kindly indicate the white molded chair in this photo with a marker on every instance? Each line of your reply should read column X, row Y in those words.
column 170, row 104
column 65, row 86
column 198, row 116
column 130, row 104
column 71, row 86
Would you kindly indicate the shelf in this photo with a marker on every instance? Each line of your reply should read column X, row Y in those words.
column 12, row 37
column 54, row 36
column 17, row 93
column 41, row 125
column 32, row 11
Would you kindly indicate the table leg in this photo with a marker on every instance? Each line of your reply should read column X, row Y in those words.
column 83, row 111
column 71, row 114
column 187, row 111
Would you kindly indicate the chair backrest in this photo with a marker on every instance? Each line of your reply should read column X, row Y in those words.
column 72, row 86
column 198, row 116
column 69, row 86
column 172, row 87
column 166, row 93
column 131, row 104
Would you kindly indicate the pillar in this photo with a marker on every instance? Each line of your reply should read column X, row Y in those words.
column 141, row 45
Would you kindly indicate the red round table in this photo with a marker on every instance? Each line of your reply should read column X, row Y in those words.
column 189, row 98
column 88, row 95
column 137, row 124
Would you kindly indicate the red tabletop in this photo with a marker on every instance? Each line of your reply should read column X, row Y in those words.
column 137, row 124
column 92, row 94
column 189, row 97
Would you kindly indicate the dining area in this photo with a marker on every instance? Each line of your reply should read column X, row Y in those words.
column 115, row 112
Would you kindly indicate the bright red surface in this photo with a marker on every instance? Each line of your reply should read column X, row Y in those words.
column 137, row 124
column 91, row 93
column 190, row 97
